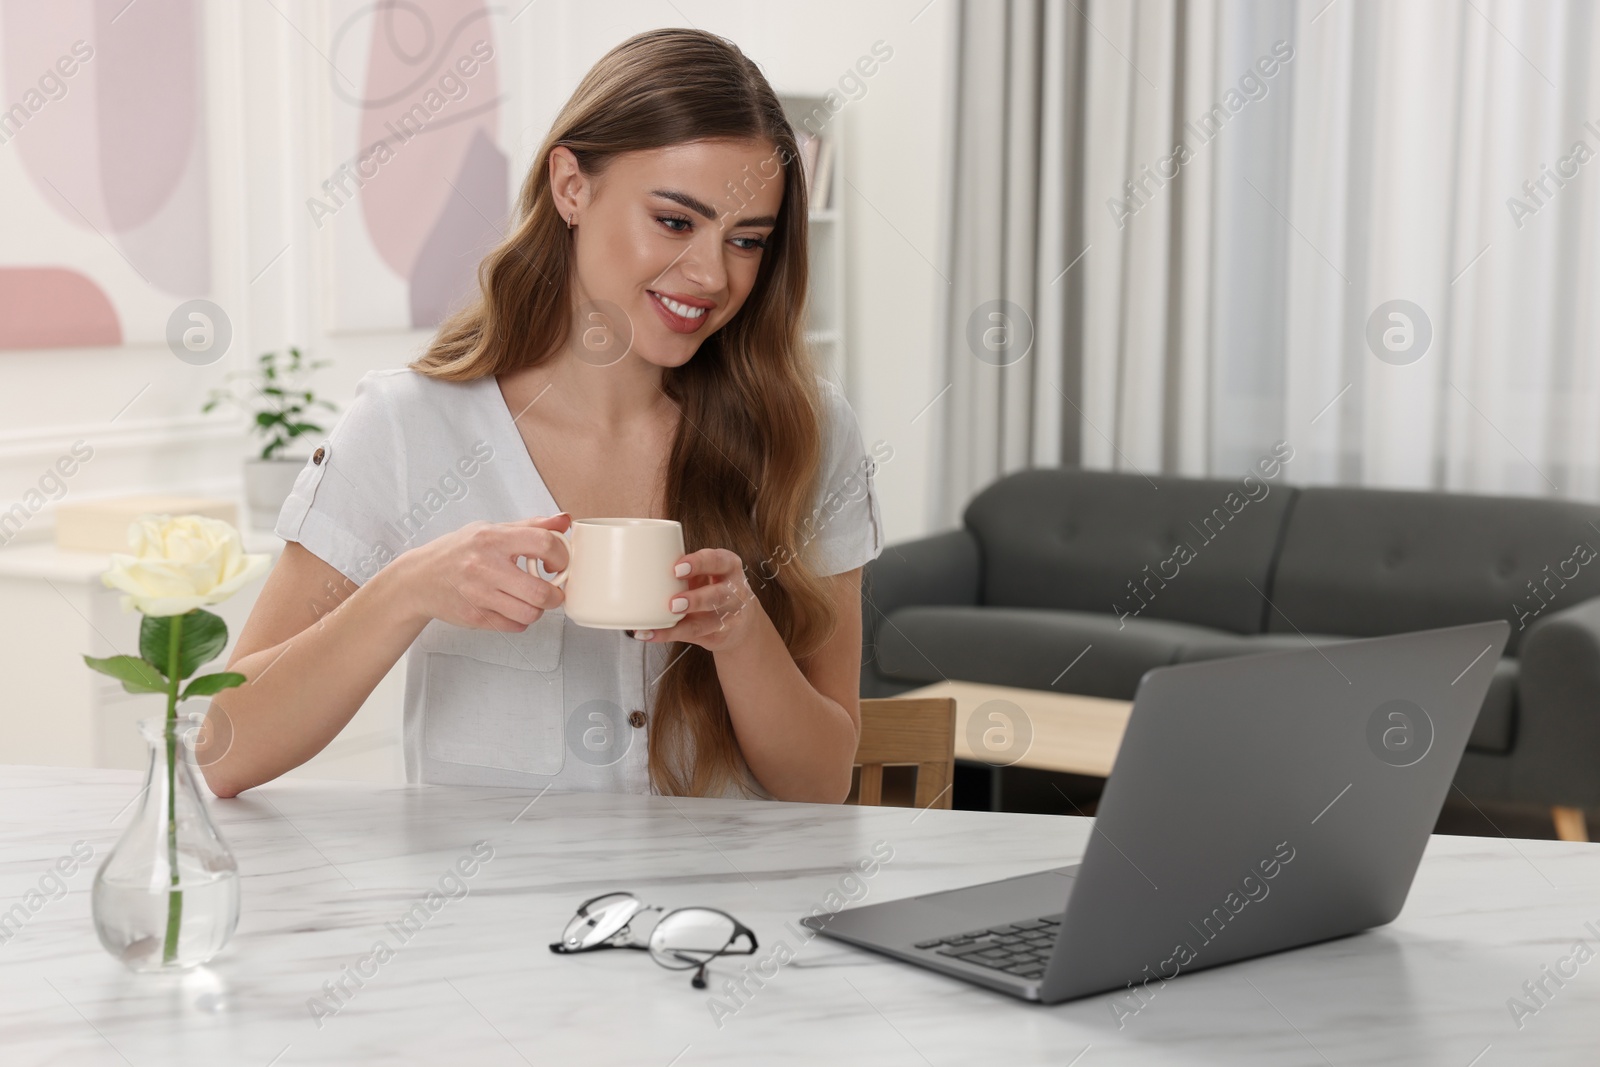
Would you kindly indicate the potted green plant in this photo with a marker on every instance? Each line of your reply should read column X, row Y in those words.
column 281, row 407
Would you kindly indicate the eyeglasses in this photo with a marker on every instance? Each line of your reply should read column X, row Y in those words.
column 681, row 939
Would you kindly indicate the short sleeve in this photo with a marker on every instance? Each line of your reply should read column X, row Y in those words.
column 846, row 529
column 352, row 486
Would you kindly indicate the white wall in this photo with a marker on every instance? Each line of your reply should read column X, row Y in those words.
column 263, row 123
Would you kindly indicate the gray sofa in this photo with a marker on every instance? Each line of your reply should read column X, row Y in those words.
column 1051, row 561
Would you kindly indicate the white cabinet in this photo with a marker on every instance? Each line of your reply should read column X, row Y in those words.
column 56, row 711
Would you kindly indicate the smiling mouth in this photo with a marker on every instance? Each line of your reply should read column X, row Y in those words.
column 683, row 311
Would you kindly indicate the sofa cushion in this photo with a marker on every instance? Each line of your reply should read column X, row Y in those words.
column 1179, row 549
column 1033, row 648
column 1220, row 645
column 1371, row 561
column 1030, row 648
column 1494, row 730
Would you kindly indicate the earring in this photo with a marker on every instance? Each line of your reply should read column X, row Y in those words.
column 570, row 219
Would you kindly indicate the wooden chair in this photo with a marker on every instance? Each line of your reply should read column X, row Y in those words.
column 917, row 732
column 1570, row 824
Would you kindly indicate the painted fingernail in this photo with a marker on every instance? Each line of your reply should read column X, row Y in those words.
column 679, row 603
column 682, row 569
column 628, row 632
column 643, row 635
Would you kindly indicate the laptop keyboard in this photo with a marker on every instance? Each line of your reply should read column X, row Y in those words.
column 1022, row 949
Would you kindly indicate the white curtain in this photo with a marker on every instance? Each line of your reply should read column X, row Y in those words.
column 1336, row 158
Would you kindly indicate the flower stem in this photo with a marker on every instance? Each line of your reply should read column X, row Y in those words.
column 169, row 951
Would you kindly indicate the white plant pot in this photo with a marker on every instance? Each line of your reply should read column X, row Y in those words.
column 266, row 486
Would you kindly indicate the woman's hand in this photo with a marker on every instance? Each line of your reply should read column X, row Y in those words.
column 470, row 577
column 721, row 607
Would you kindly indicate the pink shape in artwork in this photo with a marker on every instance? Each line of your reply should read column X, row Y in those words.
column 112, row 149
column 431, row 90
column 446, row 273
column 108, row 126
column 148, row 96
column 52, row 307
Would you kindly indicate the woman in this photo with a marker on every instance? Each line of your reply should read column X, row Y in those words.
column 635, row 351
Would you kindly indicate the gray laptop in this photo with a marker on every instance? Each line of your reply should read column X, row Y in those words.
column 1257, row 803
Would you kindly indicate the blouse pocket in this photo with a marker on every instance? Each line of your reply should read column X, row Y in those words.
column 495, row 699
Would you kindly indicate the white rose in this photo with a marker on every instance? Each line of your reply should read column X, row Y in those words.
column 179, row 564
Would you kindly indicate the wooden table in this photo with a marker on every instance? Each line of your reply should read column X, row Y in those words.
column 1065, row 732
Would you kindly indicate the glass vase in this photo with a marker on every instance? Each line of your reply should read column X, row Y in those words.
column 167, row 897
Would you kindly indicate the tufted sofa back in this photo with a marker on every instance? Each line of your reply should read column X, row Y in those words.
column 1357, row 562
column 1183, row 549
column 1366, row 562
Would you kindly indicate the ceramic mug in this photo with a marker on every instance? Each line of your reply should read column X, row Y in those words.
column 619, row 573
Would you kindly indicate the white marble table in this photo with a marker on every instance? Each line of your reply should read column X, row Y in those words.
column 328, row 866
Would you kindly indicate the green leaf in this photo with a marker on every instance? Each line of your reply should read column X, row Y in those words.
column 202, row 638
column 210, row 684
column 136, row 675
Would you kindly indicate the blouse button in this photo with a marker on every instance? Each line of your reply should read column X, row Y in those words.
column 316, row 457
column 636, row 719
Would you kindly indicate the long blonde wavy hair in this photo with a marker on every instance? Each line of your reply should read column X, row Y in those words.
column 744, row 462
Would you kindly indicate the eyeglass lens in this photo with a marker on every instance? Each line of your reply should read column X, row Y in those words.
column 599, row 920
column 689, row 937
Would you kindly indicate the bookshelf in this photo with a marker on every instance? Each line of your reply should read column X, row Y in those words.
column 825, row 311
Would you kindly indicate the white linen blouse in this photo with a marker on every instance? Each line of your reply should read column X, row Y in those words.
column 560, row 705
